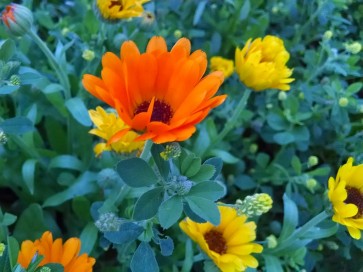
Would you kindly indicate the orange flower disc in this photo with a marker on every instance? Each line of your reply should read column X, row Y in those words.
column 159, row 94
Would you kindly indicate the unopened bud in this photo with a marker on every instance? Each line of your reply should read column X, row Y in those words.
column 311, row 184
column 332, row 245
column 172, row 151
column 15, row 80
column 271, row 241
column 45, row 269
column 2, row 249
column 3, row 138
column 108, row 222
column 88, row 55
column 312, row 161
column 17, row 19
column 254, row 205
column 327, row 35
column 282, row 96
column 177, row 34
column 353, row 48
column 343, row 102
column 179, row 185
column 253, row 148
column 148, row 18
column 301, row 96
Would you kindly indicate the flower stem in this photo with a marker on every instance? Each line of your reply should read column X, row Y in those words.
column 146, row 151
column 63, row 79
column 232, row 121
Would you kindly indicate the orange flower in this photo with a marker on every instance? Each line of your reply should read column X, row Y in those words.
column 8, row 14
column 159, row 94
column 56, row 252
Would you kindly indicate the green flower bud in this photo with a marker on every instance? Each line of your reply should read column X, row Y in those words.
column 88, row 55
column 282, row 96
column 17, row 19
column 45, row 269
column 353, row 48
column 179, row 185
column 178, row 34
column 15, row 80
column 2, row 249
column 254, row 205
column 271, row 241
column 311, row 184
column 343, row 102
column 301, row 96
column 312, row 161
column 108, row 222
column 253, row 148
column 327, row 35
column 172, row 150
column 3, row 138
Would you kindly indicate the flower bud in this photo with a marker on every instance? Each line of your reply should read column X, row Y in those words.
column 179, row 185
column 311, row 184
column 178, row 34
column 343, row 102
column 254, row 205
column 353, row 48
column 171, row 151
column 108, row 222
column 17, row 19
column 253, row 148
column 312, row 161
column 15, row 80
column 148, row 18
column 45, row 269
column 3, row 138
column 271, row 241
column 282, row 96
column 2, row 249
column 88, row 55
column 327, row 35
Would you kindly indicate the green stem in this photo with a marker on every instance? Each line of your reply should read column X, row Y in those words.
column 300, row 232
column 62, row 76
column 232, row 121
column 146, row 151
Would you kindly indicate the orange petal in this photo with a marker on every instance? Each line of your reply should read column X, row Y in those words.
column 156, row 45
column 71, row 249
column 117, row 136
column 110, row 60
column 141, row 120
column 57, row 251
column 181, row 48
column 146, row 76
column 165, row 137
column 129, row 50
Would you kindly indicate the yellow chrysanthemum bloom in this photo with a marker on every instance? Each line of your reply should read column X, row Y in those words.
column 55, row 251
column 120, row 9
column 229, row 244
column 226, row 66
column 107, row 125
column 261, row 64
column 346, row 195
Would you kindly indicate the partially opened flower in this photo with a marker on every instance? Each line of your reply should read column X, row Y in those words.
column 346, row 195
column 222, row 64
column 107, row 125
column 261, row 64
column 17, row 19
column 120, row 9
column 159, row 94
column 230, row 244
column 66, row 254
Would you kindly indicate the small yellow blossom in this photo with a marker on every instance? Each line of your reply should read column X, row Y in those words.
column 327, row 35
column 109, row 124
column 120, row 9
column 88, row 55
column 346, row 195
column 226, row 66
column 353, row 48
column 261, row 64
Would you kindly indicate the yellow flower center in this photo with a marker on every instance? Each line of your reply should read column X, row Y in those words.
column 116, row 3
column 216, row 241
column 162, row 112
column 355, row 197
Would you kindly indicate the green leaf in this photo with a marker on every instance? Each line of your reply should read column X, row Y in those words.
column 245, row 10
column 354, row 88
column 13, row 250
column 54, row 267
column 148, row 204
column 163, row 166
column 144, row 259
column 199, row 11
column 291, row 216
column 321, row 171
column 206, row 172
column 245, row 182
column 170, row 211
column 204, row 208
column 296, row 164
column 5, row 261
column 8, row 219
column 17, row 125
column 192, row 215
column 28, row 173
column 166, row 246
column 272, row 263
column 81, row 207
column 53, row 94
column 224, row 155
column 66, row 162
column 208, row 189
column 190, row 165
column 262, row 160
column 79, row 111
column 283, row 138
column 127, row 232
column 83, row 185
column 88, row 238
column 136, row 172
column 7, row 50
column 218, row 165
column 8, row 89
column 276, row 121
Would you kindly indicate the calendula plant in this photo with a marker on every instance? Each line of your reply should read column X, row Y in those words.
column 180, row 136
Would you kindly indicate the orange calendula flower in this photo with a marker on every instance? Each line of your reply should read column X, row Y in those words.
column 346, row 195
column 107, row 125
column 261, row 64
column 230, row 244
column 66, row 254
column 120, row 9
column 159, row 94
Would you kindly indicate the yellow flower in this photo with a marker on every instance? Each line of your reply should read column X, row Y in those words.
column 261, row 64
column 228, row 244
column 120, row 9
column 226, row 66
column 346, row 195
column 107, row 125
column 66, row 254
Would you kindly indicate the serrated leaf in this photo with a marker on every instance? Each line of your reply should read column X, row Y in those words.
column 127, row 232
column 190, row 165
column 148, row 204
column 291, row 217
column 136, row 172
column 218, row 165
column 144, row 259
column 170, row 211
column 204, row 208
column 208, row 189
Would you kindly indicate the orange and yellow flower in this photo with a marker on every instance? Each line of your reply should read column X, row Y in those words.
column 107, row 124
column 229, row 244
column 261, row 64
column 66, row 254
column 120, row 9
column 346, row 195
column 159, row 94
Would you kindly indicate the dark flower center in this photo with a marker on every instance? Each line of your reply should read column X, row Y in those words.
column 162, row 112
column 355, row 197
column 116, row 3
column 216, row 242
